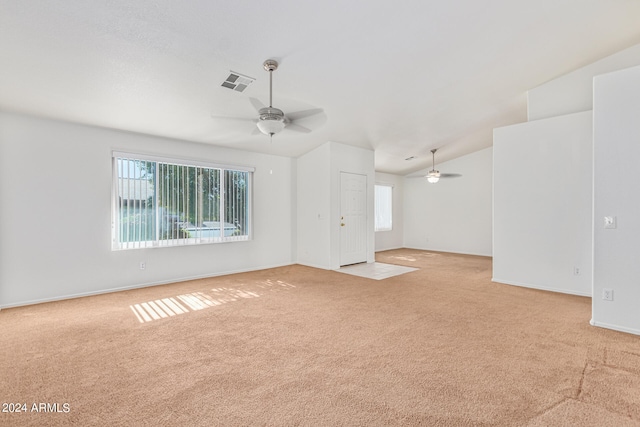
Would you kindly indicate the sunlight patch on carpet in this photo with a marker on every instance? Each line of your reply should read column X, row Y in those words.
column 168, row 307
column 274, row 284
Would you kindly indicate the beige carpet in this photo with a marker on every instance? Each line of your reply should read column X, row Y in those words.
column 440, row 346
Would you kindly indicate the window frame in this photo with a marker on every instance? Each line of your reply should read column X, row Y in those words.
column 117, row 245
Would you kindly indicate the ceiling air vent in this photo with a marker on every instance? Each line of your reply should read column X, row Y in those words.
column 237, row 81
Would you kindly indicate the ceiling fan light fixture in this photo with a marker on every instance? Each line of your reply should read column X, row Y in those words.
column 271, row 126
column 433, row 176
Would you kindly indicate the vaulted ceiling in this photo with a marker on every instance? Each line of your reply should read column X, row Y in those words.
column 400, row 78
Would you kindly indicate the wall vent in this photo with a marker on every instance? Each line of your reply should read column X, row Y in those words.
column 237, row 81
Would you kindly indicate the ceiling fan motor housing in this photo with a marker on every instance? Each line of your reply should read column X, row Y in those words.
column 271, row 113
column 433, row 176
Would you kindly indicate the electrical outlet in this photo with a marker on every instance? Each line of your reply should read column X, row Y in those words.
column 607, row 294
column 576, row 271
column 143, row 265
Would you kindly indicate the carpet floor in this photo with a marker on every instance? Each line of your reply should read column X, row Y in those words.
column 298, row 346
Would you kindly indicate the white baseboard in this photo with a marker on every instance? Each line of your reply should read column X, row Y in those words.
column 389, row 249
column 321, row 267
column 138, row 286
column 615, row 327
column 447, row 252
column 542, row 288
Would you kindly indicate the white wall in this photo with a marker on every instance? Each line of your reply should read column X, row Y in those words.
column 314, row 208
column 455, row 214
column 55, row 221
column 542, row 204
column 392, row 239
column 573, row 92
column 617, row 193
column 318, row 236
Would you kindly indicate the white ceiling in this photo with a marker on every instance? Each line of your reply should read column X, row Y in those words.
column 398, row 77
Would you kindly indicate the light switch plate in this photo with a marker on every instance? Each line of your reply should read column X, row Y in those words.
column 610, row 222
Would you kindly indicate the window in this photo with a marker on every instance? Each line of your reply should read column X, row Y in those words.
column 384, row 207
column 165, row 202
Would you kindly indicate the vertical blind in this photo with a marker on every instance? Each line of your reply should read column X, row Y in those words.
column 383, row 207
column 163, row 202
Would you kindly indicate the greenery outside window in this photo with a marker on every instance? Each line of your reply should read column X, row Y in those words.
column 167, row 202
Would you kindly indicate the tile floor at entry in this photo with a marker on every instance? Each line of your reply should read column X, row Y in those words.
column 375, row 270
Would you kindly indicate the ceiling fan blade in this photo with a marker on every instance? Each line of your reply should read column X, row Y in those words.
column 304, row 114
column 297, row 128
column 257, row 104
column 237, row 119
column 442, row 175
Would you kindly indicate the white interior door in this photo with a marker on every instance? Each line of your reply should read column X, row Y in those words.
column 353, row 218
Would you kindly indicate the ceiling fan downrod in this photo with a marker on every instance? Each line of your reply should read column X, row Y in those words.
column 270, row 65
column 433, row 176
column 271, row 120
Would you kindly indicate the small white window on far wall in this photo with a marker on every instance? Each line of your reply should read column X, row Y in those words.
column 384, row 207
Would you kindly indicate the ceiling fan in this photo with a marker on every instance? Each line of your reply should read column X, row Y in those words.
column 272, row 120
column 434, row 176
